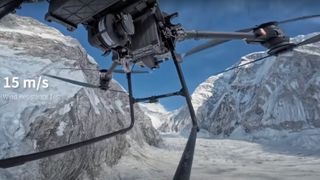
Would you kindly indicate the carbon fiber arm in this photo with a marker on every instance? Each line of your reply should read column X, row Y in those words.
column 8, row 6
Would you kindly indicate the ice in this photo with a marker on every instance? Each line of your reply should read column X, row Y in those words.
column 92, row 60
column 119, row 105
column 156, row 112
column 35, row 28
column 61, row 128
column 280, row 92
column 219, row 159
column 68, row 114
column 156, row 121
column 94, row 99
column 66, row 108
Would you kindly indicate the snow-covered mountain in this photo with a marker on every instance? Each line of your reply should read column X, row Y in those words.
column 33, row 120
column 157, row 113
column 280, row 95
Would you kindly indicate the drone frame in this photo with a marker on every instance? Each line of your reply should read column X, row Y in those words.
column 185, row 164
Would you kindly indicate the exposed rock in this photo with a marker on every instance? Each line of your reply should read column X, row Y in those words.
column 35, row 120
column 280, row 93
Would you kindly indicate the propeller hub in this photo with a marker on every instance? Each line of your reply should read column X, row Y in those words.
column 105, row 79
column 282, row 47
column 103, row 70
column 273, row 36
column 267, row 24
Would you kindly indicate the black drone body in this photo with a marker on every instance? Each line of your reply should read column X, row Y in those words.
column 128, row 29
column 138, row 32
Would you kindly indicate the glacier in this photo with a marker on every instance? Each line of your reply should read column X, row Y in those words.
column 157, row 112
column 258, row 122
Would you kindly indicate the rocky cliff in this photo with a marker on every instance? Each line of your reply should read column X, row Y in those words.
column 35, row 119
column 278, row 95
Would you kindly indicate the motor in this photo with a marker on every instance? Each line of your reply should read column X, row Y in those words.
column 105, row 78
column 275, row 38
column 111, row 31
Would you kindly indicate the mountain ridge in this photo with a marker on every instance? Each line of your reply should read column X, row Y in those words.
column 62, row 113
column 280, row 93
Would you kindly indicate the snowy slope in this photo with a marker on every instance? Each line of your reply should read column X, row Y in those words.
column 34, row 120
column 223, row 159
column 157, row 113
column 279, row 95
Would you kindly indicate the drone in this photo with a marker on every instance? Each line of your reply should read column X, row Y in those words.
column 137, row 32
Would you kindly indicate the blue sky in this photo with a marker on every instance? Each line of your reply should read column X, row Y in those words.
column 218, row 15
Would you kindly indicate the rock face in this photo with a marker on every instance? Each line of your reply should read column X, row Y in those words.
column 33, row 120
column 281, row 94
column 157, row 113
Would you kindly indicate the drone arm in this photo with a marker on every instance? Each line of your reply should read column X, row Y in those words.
column 19, row 160
column 8, row 6
column 220, row 35
column 210, row 43
column 153, row 98
column 113, row 67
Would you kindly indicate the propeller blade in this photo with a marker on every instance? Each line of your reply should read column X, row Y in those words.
column 117, row 91
column 313, row 39
column 216, row 42
column 72, row 81
column 19, row 160
column 81, row 83
column 78, row 69
column 298, row 19
column 204, row 46
column 251, row 62
column 211, row 43
column 119, row 71
column 132, row 72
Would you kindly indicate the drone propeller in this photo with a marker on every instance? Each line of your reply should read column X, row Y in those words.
column 209, row 44
column 119, row 71
column 311, row 40
column 73, row 81
column 251, row 62
column 215, row 42
column 298, row 19
column 79, row 83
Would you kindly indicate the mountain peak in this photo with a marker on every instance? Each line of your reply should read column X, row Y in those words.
column 34, row 120
column 280, row 93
